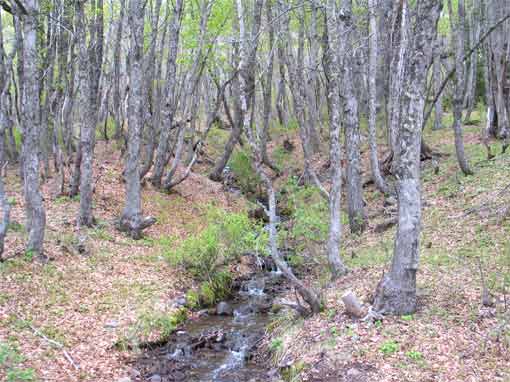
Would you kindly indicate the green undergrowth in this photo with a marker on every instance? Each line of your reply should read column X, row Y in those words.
column 11, row 364
column 207, row 255
column 152, row 326
column 246, row 179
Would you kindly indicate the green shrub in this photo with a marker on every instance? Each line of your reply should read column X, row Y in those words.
column 414, row 355
column 310, row 213
column 227, row 236
column 206, row 255
column 241, row 165
column 10, row 364
column 165, row 324
column 276, row 345
column 389, row 347
column 192, row 299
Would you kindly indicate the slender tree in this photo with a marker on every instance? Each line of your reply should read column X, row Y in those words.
column 332, row 69
column 396, row 293
column 458, row 40
column 372, row 95
column 30, row 118
column 132, row 221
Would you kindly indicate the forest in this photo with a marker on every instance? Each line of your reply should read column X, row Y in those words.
column 254, row 190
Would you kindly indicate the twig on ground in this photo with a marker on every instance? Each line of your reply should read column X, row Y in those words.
column 52, row 342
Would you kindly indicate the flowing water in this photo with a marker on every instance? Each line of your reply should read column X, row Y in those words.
column 219, row 348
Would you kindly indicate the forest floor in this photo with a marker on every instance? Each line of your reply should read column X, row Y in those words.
column 75, row 318
column 119, row 293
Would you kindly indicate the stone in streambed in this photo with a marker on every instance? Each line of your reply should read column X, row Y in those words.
column 155, row 378
column 224, row 309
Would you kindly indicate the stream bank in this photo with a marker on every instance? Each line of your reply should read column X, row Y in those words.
column 220, row 344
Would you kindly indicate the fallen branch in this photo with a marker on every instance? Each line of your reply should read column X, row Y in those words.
column 52, row 342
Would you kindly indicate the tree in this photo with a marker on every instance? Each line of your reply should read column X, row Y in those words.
column 396, row 293
column 372, row 89
column 458, row 41
column 90, row 64
column 331, row 68
column 355, row 203
column 30, row 119
column 132, row 220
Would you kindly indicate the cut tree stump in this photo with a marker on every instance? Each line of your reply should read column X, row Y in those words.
column 352, row 304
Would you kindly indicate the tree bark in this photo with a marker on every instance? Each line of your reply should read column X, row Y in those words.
column 396, row 293
column 91, row 68
column 436, row 78
column 132, row 220
column 458, row 99
column 331, row 68
column 355, row 203
column 379, row 181
column 36, row 215
column 169, row 105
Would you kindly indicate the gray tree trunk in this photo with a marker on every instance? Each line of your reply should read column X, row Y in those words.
column 237, row 127
column 458, row 99
column 132, row 220
column 332, row 68
column 311, row 82
column 117, row 99
column 92, row 70
column 355, row 203
column 379, row 181
column 396, row 293
column 268, row 88
column 169, row 104
column 29, row 82
column 436, row 78
column 151, row 98
column 400, row 34
column 5, row 121
column 296, row 82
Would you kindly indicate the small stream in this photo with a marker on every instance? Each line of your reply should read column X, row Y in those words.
column 219, row 347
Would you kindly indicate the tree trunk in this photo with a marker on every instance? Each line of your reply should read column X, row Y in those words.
column 372, row 96
column 396, row 293
column 331, row 69
column 268, row 89
column 92, row 71
column 36, row 216
column 355, row 203
column 131, row 220
column 458, row 99
column 117, row 99
column 400, row 37
column 436, row 78
column 170, row 102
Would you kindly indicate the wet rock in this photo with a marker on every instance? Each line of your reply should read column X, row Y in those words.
column 135, row 373
column 353, row 373
column 254, row 286
column 155, row 378
column 203, row 313
column 224, row 309
column 179, row 302
column 390, row 201
column 178, row 376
